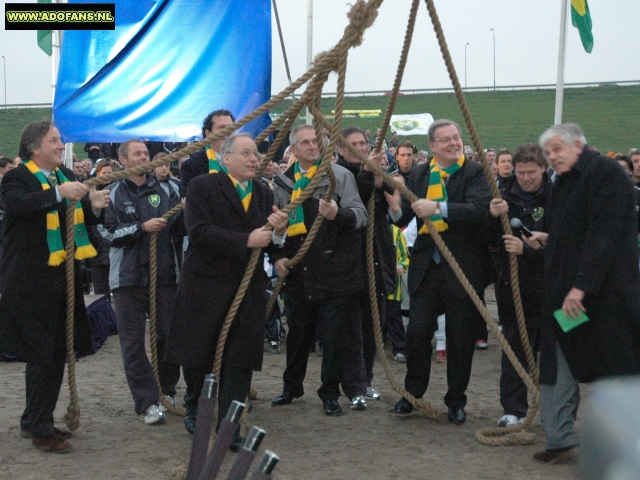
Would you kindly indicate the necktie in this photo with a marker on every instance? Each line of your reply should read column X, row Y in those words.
column 53, row 180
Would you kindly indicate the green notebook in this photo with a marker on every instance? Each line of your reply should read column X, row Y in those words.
column 567, row 323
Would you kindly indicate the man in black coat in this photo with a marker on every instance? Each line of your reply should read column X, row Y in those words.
column 591, row 266
column 223, row 229
column 206, row 160
column 524, row 197
column 384, row 254
column 457, row 201
column 33, row 300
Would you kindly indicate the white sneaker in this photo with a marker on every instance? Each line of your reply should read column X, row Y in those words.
column 153, row 415
column 170, row 400
column 373, row 393
column 510, row 421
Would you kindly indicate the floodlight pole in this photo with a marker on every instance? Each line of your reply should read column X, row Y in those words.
column 465, row 65
column 562, row 49
column 309, row 46
column 4, row 70
column 494, row 58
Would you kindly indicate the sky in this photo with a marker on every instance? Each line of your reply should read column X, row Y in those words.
column 526, row 46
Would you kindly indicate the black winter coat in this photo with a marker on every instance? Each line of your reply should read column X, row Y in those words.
column 33, row 292
column 592, row 246
column 532, row 212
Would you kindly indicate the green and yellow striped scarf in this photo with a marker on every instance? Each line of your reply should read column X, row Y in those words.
column 437, row 191
column 296, row 217
column 402, row 258
column 214, row 163
column 245, row 195
column 57, row 254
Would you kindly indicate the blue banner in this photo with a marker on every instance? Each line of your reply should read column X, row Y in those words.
column 167, row 65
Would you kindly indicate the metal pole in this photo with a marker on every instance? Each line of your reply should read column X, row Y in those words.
column 465, row 65
column 4, row 69
column 284, row 52
column 309, row 46
column 494, row 58
column 562, row 49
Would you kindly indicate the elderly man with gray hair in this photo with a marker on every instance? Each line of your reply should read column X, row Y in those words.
column 591, row 313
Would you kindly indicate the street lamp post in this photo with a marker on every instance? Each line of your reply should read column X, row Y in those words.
column 494, row 58
column 465, row 65
column 4, row 70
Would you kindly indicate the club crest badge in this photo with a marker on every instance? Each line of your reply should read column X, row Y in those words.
column 154, row 200
column 538, row 213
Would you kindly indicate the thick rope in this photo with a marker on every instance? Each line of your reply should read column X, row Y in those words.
column 419, row 404
column 482, row 435
column 153, row 312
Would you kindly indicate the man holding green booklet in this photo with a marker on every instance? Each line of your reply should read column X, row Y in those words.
column 591, row 314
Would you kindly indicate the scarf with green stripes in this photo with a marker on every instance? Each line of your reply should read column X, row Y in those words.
column 57, row 253
column 245, row 195
column 214, row 163
column 296, row 217
column 437, row 191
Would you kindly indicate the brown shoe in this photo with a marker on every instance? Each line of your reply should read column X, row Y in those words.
column 52, row 443
column 555, row 455
column 66, row 434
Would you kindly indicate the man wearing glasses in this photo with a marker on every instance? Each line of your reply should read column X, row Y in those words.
column 454, row 193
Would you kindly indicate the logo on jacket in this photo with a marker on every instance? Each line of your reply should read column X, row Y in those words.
column 154, row 200
column 537, row 213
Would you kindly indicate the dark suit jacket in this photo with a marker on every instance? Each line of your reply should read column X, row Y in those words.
column 33, row 293
column 469, row 198
column 213, row 268
column 194, row 166
column 592, row 246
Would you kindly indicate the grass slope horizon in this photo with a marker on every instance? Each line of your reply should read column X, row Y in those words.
column 608, row 116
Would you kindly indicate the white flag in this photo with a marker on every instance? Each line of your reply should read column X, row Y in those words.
column 417, row 124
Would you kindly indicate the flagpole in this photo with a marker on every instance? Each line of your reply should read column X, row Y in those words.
column 561, row 61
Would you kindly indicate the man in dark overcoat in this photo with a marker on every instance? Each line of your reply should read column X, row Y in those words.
column 33, row 301
column 223, row 230
column 456, row 201
column 591, row 266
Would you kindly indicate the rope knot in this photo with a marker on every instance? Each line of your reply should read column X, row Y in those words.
column 361, row 16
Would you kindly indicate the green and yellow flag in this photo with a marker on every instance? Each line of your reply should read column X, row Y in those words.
column 45, row 36
column 581, row 19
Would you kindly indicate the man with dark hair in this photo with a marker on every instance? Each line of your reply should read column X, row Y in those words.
column 206, row 160
column 394, row 142
column 625, row 163
column 404, row 159
column 137, row 205
column 635, row 160
column 79, row 169
column 525, row 197
column 33, row 300
column 383, row 247
column 453, row 191
column 224, row 216
column 327, row 280
column 591, row 267
column 504, row 161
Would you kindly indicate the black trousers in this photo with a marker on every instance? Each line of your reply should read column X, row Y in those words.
column 368, row 336
column 100, row 279
column 432, row 298
column 43, row 382
column 233, row 385
column 342, row 345
column 513, row 391
column 395, row 327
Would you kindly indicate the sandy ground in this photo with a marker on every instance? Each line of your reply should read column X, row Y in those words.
column 112, row 443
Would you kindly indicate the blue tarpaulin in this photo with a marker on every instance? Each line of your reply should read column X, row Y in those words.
column 167, row 65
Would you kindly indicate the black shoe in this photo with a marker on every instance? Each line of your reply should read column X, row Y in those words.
column 285, row 398
column 331, row 407
column 456, row 415
column 190, row 419
column 403, row 407
column 236, row 443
